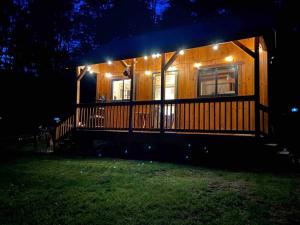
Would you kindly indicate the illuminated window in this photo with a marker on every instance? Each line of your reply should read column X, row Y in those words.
column 218, row 81
column 170, row 85
column 121, row 89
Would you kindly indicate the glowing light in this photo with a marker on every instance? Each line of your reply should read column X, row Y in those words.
column 181, row 52
column 89, row 69
column 146, row 57
column 229, row 58
column 109, row 62
column 294, row 109
column 197, row 65
column 108, row 75
column 147, row 72
column 215, row 47
column 260, row 48
column 155, row 55
column 172, row 68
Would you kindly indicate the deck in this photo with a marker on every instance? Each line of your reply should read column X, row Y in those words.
column 214, row 116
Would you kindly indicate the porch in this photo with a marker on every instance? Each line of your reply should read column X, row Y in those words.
column 219, row 89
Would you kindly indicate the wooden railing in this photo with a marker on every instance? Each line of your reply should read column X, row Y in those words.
column 64, row 127
column 208, row 115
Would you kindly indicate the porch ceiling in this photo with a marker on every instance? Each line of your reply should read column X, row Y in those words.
column 189, row 36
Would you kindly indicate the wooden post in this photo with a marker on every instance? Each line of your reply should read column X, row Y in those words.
column 162, row 92
column 132, row 71
column 256, row 88
column 79, row 77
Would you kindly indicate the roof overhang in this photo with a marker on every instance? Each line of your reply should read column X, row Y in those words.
column 184, row 37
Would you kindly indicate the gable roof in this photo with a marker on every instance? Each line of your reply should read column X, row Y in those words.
column 183, row 37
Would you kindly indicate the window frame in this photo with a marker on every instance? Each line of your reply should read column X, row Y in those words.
column 112, row 90
column 159, row 73
column 215, row 74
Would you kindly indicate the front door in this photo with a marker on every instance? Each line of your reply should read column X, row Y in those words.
column 170, row 93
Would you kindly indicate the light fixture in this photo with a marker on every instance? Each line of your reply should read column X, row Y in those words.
column 181, row 52
column 109, row 62
column 260, row 48
column 157, row 55
column 146, row 57
column 147, row 72
column 215, row 47
column 229, row 58
column 294, row 109
column 153, row 56
column 197, row 65
column 89, row 69
column 108, row 75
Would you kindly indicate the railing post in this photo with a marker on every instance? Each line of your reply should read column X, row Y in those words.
column 132, row 71
column 256, row 88
column 162, row 92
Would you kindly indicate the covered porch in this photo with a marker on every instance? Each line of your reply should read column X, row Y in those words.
column 213, row 88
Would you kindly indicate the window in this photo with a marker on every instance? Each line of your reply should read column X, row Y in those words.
column 170, row 85
column 121, row 89
column 218, row 81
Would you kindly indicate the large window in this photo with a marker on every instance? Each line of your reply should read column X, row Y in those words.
column 218, row 81
column 121, row 89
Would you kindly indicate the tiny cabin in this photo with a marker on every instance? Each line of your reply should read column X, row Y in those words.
column 196, row 79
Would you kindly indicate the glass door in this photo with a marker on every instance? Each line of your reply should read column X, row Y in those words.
column 170, row 93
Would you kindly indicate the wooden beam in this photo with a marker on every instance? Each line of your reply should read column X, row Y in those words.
column 171, row 60
column 124, row 63
column 82, row 73
column 162, row 90
column 79, row 77
column 244, row 48
column 132, row 72
column 256, row 87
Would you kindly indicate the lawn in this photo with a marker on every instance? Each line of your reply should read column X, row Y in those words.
column 53, row 190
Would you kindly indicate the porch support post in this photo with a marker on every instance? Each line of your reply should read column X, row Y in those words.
column 162, row 92
column 256, row 88
column 81, row 74
column 132, row 74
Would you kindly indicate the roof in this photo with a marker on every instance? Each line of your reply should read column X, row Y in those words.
column 183, row 37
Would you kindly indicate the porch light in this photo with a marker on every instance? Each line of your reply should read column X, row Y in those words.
column 197, row 65
column 294, row 109
column 229, row 58
column 260, row 48
column 215, row 47
column 108, row 75
column 155, row 55
column 109, row 62
column 146, row 57
column 181, row 52
column 89, row 69
column 147, row 72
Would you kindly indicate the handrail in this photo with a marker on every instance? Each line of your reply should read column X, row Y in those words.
column 64, row 127
column 173, row 101
column 226, row 114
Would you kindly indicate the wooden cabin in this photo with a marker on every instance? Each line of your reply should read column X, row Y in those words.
column 191, row 80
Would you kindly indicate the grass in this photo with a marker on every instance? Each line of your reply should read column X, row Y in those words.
column 52, row 190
